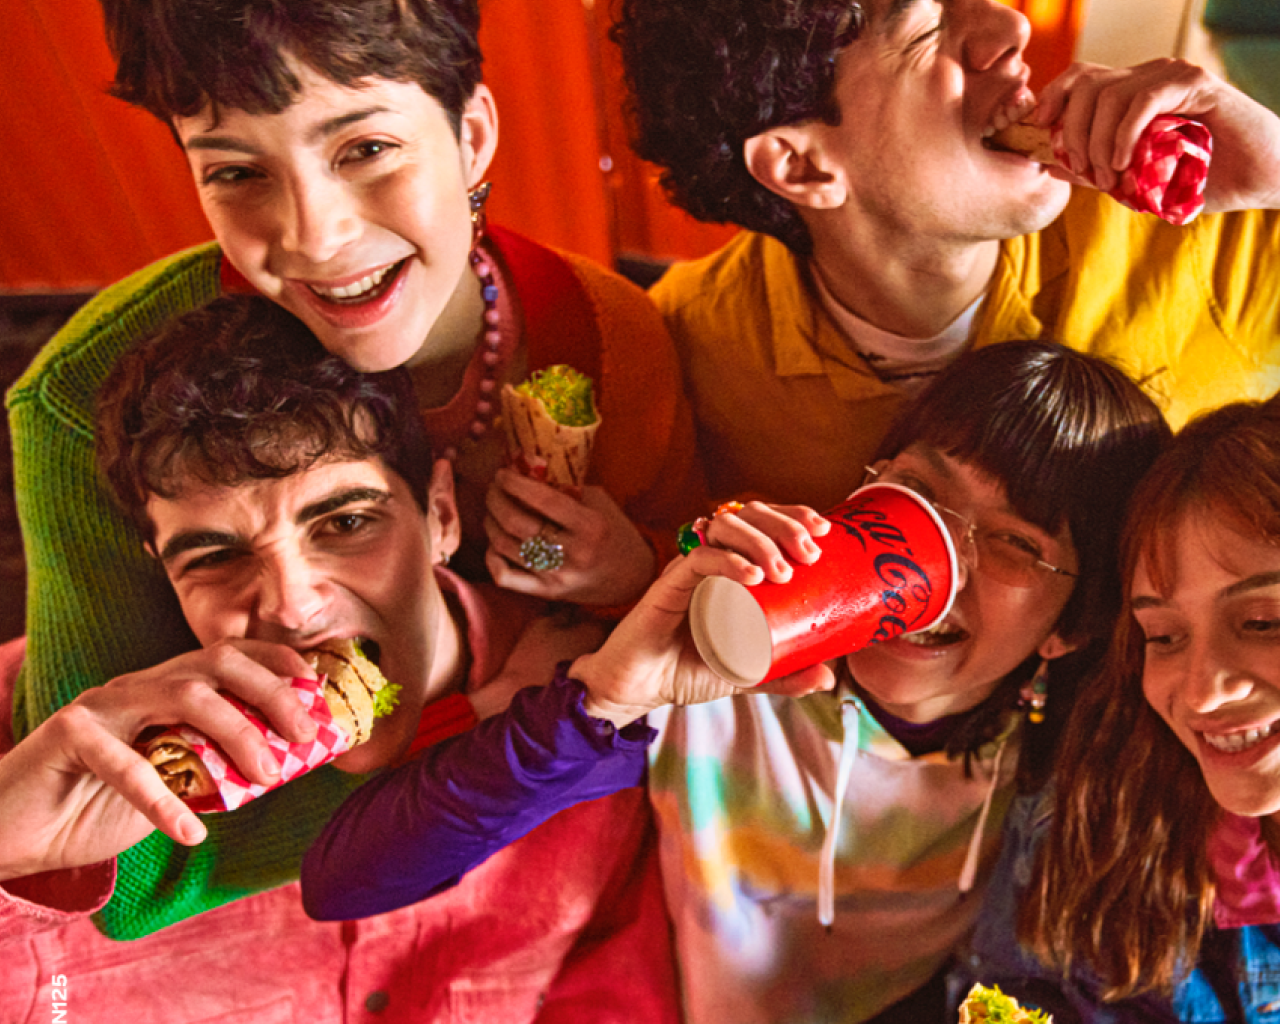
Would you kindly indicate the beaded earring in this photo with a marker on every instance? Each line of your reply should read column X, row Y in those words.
column 1035, row 694
column 477, row 197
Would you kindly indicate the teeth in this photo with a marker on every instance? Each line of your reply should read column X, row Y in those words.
column 1234, row 742
column 355, row 290
column 934, row 636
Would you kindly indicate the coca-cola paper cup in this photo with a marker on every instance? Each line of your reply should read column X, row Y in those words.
column 888, row 567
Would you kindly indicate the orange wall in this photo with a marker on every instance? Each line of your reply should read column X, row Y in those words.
column 91, row 189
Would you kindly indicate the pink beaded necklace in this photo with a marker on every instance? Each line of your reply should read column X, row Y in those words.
column 470, row 413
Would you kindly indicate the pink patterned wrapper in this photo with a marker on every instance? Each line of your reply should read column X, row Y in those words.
column 234, row 790
column 1169, row 169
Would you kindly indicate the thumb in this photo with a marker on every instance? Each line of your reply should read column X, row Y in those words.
column 809, row 680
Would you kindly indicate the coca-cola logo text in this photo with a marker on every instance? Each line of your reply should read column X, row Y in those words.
column 908, row 589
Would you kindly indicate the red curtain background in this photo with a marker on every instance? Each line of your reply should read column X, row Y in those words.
column 91, row 189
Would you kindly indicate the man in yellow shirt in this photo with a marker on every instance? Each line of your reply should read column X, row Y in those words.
column 886, row 235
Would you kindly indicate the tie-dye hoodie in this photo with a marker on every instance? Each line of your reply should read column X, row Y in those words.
column 744, row 790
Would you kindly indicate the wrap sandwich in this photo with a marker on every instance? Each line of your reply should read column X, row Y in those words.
column 1166, row 175
column 354, row 692
column 991, row 1006
column 551, row 422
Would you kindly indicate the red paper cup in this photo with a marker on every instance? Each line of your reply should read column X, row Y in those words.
column 888, row 567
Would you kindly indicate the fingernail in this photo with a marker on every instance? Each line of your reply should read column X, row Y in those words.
column 191, row 829
column 783, row 569
column 810, row 549
column 269, row 765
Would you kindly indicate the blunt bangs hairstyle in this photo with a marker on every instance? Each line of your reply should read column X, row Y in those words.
column 706, row 75
column 240, row 390
column 174, row 57
column 1067, row 435
column 1124, row 881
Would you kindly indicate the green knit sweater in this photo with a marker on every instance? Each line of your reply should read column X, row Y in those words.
column 99, row 606
column 86, row 627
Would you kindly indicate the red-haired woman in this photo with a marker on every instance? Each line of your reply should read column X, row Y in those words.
column 1157, row 892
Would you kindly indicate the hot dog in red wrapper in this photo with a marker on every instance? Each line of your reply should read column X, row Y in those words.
column 343, row 703
column 1166, row 176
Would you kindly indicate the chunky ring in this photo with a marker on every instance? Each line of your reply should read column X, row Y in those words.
column 692, row 535
column 540, row 553
column 727, row 509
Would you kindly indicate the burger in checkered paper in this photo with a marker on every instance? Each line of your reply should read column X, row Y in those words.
column 344, row 702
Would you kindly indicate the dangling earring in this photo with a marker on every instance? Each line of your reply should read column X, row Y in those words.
column 1035, row 694
column 477, row 197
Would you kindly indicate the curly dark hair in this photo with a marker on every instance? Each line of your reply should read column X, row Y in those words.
column 706, row 76
column 239, row 390
column 175, row 56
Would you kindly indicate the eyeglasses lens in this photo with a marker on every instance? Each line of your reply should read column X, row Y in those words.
column 984, row 552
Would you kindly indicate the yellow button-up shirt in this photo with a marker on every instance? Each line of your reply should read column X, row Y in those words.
column 787, row 410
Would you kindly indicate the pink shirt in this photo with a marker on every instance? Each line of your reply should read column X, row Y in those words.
column 567, row 925
column 1246, row 873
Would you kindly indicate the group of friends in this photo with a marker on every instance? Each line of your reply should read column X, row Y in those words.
column 1069, row 787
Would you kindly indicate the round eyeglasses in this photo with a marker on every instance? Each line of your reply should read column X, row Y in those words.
column 997, row 554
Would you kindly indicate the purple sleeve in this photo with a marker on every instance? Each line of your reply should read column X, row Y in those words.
column 418, row 829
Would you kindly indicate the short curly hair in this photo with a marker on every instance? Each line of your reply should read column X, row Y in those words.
column 175, row 56
column 706, row 76
column 240, row 390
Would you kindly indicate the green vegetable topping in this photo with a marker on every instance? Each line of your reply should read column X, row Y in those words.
column 997, row 1008
column 565, row 392
column 385, row 700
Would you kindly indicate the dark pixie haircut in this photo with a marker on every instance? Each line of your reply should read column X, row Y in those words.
column 240, row 390
column 1068, row 436
column 706, row 75
column 175, row 56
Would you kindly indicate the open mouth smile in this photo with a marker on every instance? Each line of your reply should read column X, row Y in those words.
column 369, row 287
column 1236, row 742
column 944, row 634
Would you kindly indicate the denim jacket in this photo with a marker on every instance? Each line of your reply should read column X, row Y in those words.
column 1236, row 979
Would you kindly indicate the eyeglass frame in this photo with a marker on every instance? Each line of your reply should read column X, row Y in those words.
column 971, row 528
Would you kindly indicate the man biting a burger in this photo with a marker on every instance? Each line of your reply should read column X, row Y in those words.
column 294, row 506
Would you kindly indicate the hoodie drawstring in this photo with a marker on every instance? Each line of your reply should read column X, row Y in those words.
column 970, row 870
column 850, row 708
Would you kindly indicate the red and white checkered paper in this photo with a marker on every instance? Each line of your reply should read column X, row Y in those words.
column 1169, row 169
column 234, row 790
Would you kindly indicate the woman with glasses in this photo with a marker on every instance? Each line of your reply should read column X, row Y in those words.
column 1150, row 878
column 1029, row 451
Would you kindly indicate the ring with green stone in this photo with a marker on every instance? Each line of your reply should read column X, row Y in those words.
column 692, row 535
